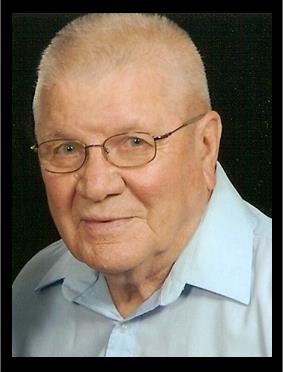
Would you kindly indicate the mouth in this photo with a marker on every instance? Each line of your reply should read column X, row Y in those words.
column 105, row 225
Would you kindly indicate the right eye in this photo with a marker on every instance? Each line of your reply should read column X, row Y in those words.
column 67, row 148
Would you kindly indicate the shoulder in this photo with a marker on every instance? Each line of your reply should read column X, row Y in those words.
column 263, row 223
column 38, row 266
column 28, row 307
column 261, row 302
column 262, row 235
column 262, row 264
column 262, row 238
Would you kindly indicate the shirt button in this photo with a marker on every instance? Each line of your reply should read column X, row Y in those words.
column 124, row 326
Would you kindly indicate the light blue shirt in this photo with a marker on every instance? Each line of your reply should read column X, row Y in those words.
column 216, row 301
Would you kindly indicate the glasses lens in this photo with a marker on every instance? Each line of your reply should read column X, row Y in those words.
column 131, row 149
column 61, row 156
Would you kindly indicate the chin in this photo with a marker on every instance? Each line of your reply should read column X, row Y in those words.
column 107, row 258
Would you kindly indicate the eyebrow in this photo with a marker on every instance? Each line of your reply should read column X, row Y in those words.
column 57, row 135
column 60, row 134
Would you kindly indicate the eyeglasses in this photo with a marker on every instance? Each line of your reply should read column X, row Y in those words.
column 123, row 150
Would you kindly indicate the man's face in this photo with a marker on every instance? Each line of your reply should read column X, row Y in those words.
column 116, row 219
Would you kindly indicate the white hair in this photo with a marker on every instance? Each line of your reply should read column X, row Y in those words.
column 93, row 44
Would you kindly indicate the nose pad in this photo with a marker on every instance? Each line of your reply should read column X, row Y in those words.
column 106, row 150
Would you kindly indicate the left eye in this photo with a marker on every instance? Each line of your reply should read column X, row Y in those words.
column 136, row 141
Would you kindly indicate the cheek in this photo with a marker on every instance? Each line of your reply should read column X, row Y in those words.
column 177, row 171
column 175, row 189
column 60, row 194
column 162, row 191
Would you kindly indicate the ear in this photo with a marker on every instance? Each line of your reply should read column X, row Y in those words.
column 208, row 135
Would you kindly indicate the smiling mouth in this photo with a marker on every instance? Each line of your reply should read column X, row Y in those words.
column 105, row 220
column 106, row 224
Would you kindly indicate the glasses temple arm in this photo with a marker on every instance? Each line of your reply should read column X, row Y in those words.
column 193, row 120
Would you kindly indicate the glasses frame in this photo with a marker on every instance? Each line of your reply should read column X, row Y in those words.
column 36, row 146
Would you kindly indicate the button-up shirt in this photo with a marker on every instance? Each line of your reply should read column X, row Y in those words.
column 215, row 302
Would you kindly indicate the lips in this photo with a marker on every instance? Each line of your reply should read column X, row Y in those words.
column 106, row 224
column 101, row 219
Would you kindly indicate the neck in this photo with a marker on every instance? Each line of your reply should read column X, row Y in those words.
column 130, row 290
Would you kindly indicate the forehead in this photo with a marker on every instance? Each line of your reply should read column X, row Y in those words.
column 135, row 96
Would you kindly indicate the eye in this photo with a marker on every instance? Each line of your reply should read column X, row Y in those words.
column 136, row 142
column 133, row 142
column 68, row 148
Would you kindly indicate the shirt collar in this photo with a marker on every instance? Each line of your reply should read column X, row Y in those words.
column 218, row 258
column 75, row 274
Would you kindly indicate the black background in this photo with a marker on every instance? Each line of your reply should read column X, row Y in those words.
column 236, row 49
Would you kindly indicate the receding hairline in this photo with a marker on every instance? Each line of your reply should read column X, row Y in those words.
column 93, row 44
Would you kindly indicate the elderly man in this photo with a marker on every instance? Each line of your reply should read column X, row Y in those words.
column 159, row 254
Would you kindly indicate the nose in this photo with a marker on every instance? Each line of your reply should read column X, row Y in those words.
column 98, row 179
